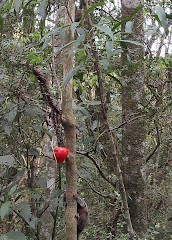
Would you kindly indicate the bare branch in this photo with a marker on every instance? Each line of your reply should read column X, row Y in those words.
column 109, row 14
column 129, row 121
column 100, row 194
column 158, row 142
column 98, row 167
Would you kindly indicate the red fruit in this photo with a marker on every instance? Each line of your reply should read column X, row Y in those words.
column 60, row 153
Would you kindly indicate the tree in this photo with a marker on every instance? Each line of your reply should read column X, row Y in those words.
column 69, row 124
column 77, row 91
column 134, row 133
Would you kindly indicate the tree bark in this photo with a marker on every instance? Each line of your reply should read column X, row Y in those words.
column 133, row 135
column 68, row 121
column 51, row 173
column 112, row 141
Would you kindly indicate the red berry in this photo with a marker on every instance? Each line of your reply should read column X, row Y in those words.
column 60, row 153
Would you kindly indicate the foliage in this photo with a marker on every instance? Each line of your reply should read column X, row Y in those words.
column 26, row 42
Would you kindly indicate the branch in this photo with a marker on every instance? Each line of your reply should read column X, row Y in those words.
column 115, row 78
column 68, row 13
column 54, row 67
column 98, row 167
column 19, row 215
column 55, row 113
column 34, row 103
column 112, row 144
column 109, row 14
column 45, row 90
column 129, row 121
column 100, row 194
column 158, row 142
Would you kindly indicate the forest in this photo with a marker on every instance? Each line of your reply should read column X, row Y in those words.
column 85, row 120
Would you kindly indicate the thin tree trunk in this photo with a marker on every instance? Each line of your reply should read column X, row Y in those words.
column 69, row 125
column 46, row 227
column 51, row 173
column 133, row 136
column 113, row 145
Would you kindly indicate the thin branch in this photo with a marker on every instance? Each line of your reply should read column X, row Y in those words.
column 115, row 78
column 68, row 13
column 129, row 121
column 100, row 194
column 54, row 67
column 112, row 143
column 35, row 103
column 158, row 142
column 19, row 215
column 98, row 167
column 43, row 210
column 108, row 14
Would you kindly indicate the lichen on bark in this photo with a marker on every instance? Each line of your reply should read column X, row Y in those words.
column 133, row 135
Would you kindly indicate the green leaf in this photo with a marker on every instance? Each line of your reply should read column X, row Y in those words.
column 88, row 165
column 1, row 22
column 83, row 110
column 34, row 152
column 17, row 5
column 94, row 125
column 41, row 181
column 14, row 235
column 162, row 17
column 77, row 42
column 156, row 17
column 7, row 127
column 19, row 175
column 91, row 9
column 94, row 103
column 4, row 237
column 80, row 54
column 60, row 49
column 128, row 18
column 42, row 9
column 129, row 27
column 45, row 44
column 71, row 74
column 7, row 160
column 25, row 212
column 33, row 111
column 152, row 31
column 109, row 49
column 4, row 209
column 169, row 16
column 12, row 190
column 74, row 25
column 106, row 30
column 132, row 42
column 53, row 32
column 115, row 78
column 11, row 115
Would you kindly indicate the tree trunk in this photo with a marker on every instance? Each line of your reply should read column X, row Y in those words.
column 112, row 141
column 133, row 135
column 69, row 125
column 51, row 173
